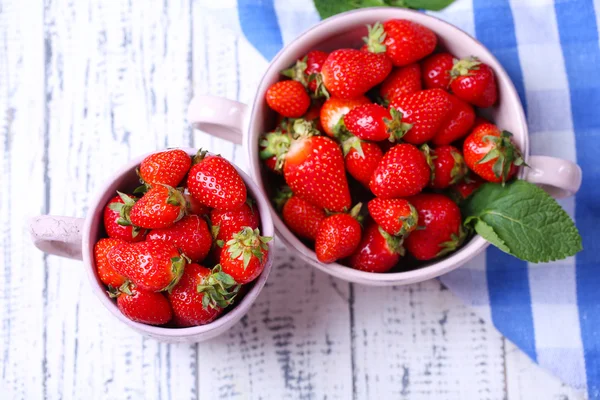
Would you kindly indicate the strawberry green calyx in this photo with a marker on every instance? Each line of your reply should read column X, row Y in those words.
column 200, row 155
column 246, row 244
column 177, row 267
column 340, row 132
column 144, row 187
column 394, row 244
column 464, row 67
column 304, row 128
column 353, row 143
column 375, row 38
column 395, row 127
column 275, row 144
column 429, row 157
column 114, row 292
column 459, row 170
column 409, row 222
column 355, row 212
column 124, row 209
column 454, row 243
column 320, row 90
column 281, row 197
column 177, row 199
column 504, row 152
column 297, row 72
column 219, row 288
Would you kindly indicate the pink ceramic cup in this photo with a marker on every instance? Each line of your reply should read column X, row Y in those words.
column 75, row 238
column 242, row 124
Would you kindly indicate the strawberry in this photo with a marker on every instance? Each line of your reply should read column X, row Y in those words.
column 465, row 188
column 201, row 295
column 376, row 123
column 458, row 124
column 313, row 115
column 141, row 305
column 403, row 41
column 245, row 255
column 401, row 81
column 436, row 71
column 153, row 265
column 288, row 98
column 395, row 216
column 194, row 207
column 215, row 182
column 426, row 111
column 447, row 166
column 350, row 73
column 307, row 69
column 474, row 82
column 273, row 147
column 378, row 251
column 302, row 217
column 314, row 170
column 338, row 237
column 361, row 159
column 106, row 273
column 439, row 230
column 403, row 171
column 160, row 207
column 190, row 235
column 491, row 154
column 335, row 108
column 226, row 223
column 116, row 219
column 166, row 167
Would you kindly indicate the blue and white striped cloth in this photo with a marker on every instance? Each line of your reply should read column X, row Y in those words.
column 551, row 50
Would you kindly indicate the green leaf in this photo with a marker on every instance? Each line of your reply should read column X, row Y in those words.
column 523, row 220
column 327, row 8
column 434, row 5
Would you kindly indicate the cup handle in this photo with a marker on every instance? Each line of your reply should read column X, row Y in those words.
column 218, row 116
column 60, row 236
column 560, row 178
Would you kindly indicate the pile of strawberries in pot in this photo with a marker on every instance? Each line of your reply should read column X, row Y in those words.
column 374, row 147
column 191, row 211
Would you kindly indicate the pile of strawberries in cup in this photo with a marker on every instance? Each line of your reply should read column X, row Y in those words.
column 180, row 248
column 374, row 147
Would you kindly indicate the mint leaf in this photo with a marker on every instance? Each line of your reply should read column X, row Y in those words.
column 523, row 220
column 327, row 8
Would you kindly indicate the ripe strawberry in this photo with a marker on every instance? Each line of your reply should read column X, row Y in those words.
column 245, row 255
column 215, row 182
column 400, row 82
column 153, row 265
column 338, row 237
column 302, row 217
column 378, row 251
column 160, row 207
column 314, row 170
column 190, row 235
column 106, row 273
column 439, row 230
column 227, row 223
column 116, row 219
column 458, row 124
column 194, row 207
column 335, row 108
column 436, row 71
column 426, row 111
column 288, row 98
column 166, row 167
column 361, row 158
column 307, row 68
column 141, row 305
column 491, row 154
column 376, row 123
column 403, row 171
column 273, row 147
column 447, row 166
column 350, row 73
column 474, row 82
column 395, row 216
column 201, row 295
column 465, row 188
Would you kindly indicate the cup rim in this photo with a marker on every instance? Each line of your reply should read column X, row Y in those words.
column 240, row 309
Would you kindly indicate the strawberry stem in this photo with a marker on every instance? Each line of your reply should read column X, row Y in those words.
column 375, row 38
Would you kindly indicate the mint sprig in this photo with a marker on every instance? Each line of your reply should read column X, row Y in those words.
column 327, row 8
column 523, row 220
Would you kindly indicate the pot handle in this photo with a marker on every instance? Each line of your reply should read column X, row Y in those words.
column 218, row 116
column 59, row 236
column 559, row 177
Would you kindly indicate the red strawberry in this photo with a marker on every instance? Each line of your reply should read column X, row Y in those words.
column 306, row 69
column 160, row 207
column 215, row 182
column 201, row 295
column 362, row 158
column 474, row 82
column 426, row 111
column 376, row 123
column 491, row 154
column 153, row 265
column 314, row 170
column 403, row 171
column 194, row 207
column 226, row 223
column 439, row 230
column 335, row 108
column 401, row 81
column 141, row 305
column 190, row 235
column 447, row 166
column 350, row 73
column 245, row 255
column 302, row 217
column 463, row 190
column 166, row 167
column 116, row 219
column 395, row 216
column 273, row 147
column 338, row 237
column 288, row 98
column 436, row 71
column 459, row 122
column 378, row 251
column 106, row 273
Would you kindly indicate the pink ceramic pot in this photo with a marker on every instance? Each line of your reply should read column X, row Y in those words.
column 242, row 124
column 75, row 238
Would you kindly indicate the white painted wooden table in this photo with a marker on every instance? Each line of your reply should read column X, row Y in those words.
column 84, row 86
